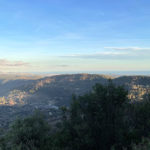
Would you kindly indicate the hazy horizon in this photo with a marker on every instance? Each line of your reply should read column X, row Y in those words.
column 114, row 72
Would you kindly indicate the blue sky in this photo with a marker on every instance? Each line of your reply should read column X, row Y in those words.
column 74, row 35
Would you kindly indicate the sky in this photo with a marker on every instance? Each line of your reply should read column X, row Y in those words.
column 74, row 35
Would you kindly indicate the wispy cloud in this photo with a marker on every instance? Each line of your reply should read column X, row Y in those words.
column 100, row 55
column 127, row 48
column 61, row 37
column 116, row 53
column 62, row 66
column 7, row 63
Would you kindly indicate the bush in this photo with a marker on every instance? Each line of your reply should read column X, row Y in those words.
column 31, row 133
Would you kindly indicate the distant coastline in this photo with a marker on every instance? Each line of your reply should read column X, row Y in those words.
column 145, row 73
column 112, row 73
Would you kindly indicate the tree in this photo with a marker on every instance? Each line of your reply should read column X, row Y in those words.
column 143, row 145
column 140, row 121
column 96, row 120
column 31, row 133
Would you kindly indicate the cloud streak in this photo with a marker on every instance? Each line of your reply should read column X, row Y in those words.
column 100, row 55
column 116, row 53
column 7, row 63
column 128, row 48
column 62, row 66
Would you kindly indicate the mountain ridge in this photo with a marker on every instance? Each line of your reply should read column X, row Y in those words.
column 55, row 88
column 19, row 97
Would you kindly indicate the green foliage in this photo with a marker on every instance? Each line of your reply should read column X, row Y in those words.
column 31, row 133
column 139, row 125
column 144, row 145
column 96, row 119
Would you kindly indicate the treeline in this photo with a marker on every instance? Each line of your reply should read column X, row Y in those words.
column 103, row 119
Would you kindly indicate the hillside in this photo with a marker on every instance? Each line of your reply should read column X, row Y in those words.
column 19, row 97
column 58, row 89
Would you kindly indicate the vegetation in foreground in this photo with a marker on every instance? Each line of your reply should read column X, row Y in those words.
column 103, row 119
